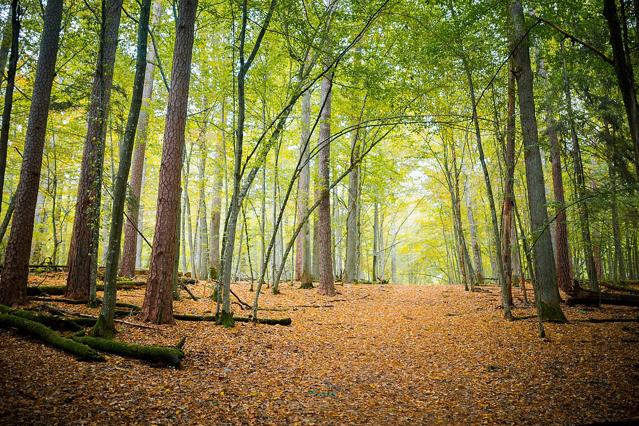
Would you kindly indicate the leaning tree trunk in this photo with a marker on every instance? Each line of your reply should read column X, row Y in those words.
column 303, row 241
column 13, row 282
column 623, row 70
column 326, row 281
column 129, row 250
column 8, row 93
column 82, row 260
column 545, row 278
column 105, row 325
column 158, row 299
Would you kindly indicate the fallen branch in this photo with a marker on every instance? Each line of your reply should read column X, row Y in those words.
column 52, row 321
column 52, row 337
column 269, row 321
column 59, row 290
column 161, row 354
column 592, row 298
column 188, row 291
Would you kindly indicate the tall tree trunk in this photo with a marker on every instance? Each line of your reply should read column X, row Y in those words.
column 326, row 283
column 561, row 250
column 474, row 240
column 375, row 263
column 303, row 241
column 129, row 252
column 82, row 260
column 158, row 300
column 5, row 47
column 13, row 281
column 623, row 70
column 203, row 242
column 507, row 221
column 8, row 93
column 352, row 228
column 580, row 185
column 545, row 274
column 105, row 325
column 216, row 204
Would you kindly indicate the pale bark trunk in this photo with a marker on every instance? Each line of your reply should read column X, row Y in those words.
column 352, row 228
column 303, row 241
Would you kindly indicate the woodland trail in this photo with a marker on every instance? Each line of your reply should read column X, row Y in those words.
column 371, row 355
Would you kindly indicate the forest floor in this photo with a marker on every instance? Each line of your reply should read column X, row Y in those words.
column 386, row 354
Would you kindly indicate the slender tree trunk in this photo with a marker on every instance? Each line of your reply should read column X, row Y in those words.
column 13, row 281
column 562, row 252
column 507, row 222
column 216, row 204
column 303, row 241
column 352, row 228
column 580, row 185
column 623, row 70
column 326, row 283
column 82, row 260
column 474, row 241
column 203, row 244
column 545, row 274
column 8, row 93
column 105, row 325
column 158, row 301
column 5, row 47
column 129, row 252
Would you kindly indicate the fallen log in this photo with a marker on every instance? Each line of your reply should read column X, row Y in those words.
column 52, row 321
column 58, row 290
column 52, row 337
column 593, row 298
column 159, row 354
column 619, row 287
column 130, row 306
column 269, row 321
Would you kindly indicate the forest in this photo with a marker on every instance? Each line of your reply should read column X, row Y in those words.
column 319, row 211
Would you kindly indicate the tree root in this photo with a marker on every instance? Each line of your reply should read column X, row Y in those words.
column 52, row 337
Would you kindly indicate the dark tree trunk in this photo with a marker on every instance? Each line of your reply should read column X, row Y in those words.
column 326, row 280
column 129, row 250
column 507, row 222
column 5, row 47
column 105, row 325
column 83, row 251
column 13, row 282
column 545, row 274
column 623, row 70
column 8, row 93
column 158, row 300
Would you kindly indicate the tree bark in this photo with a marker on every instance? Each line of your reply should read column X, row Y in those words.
column 326, row 280
column 352, row 228
column 545, row 274
column 83, row 251
column 512, row 265
column 216, row 204
column 623, row 70
column 158, row 300
column 303, row 241
column 129, row 250
column 13, row 282
column 105, row 325
column 8, row 93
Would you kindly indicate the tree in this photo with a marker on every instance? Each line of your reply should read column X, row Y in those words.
column 105, row 326
column 129, row 252
column 8, row 93
column 13, row 282
column 82, row 260
column 352, row 228
column 158, row 301
column 326, row 280
column 303, row 241
column 547, row 294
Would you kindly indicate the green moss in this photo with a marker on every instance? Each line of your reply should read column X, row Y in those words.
column 53, row 338
column 226, row 319
column 306, row 285
column 102, row 328
column 550, row 313
column 168, row 355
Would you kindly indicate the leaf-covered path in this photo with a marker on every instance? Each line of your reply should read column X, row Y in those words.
column 372, row 354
